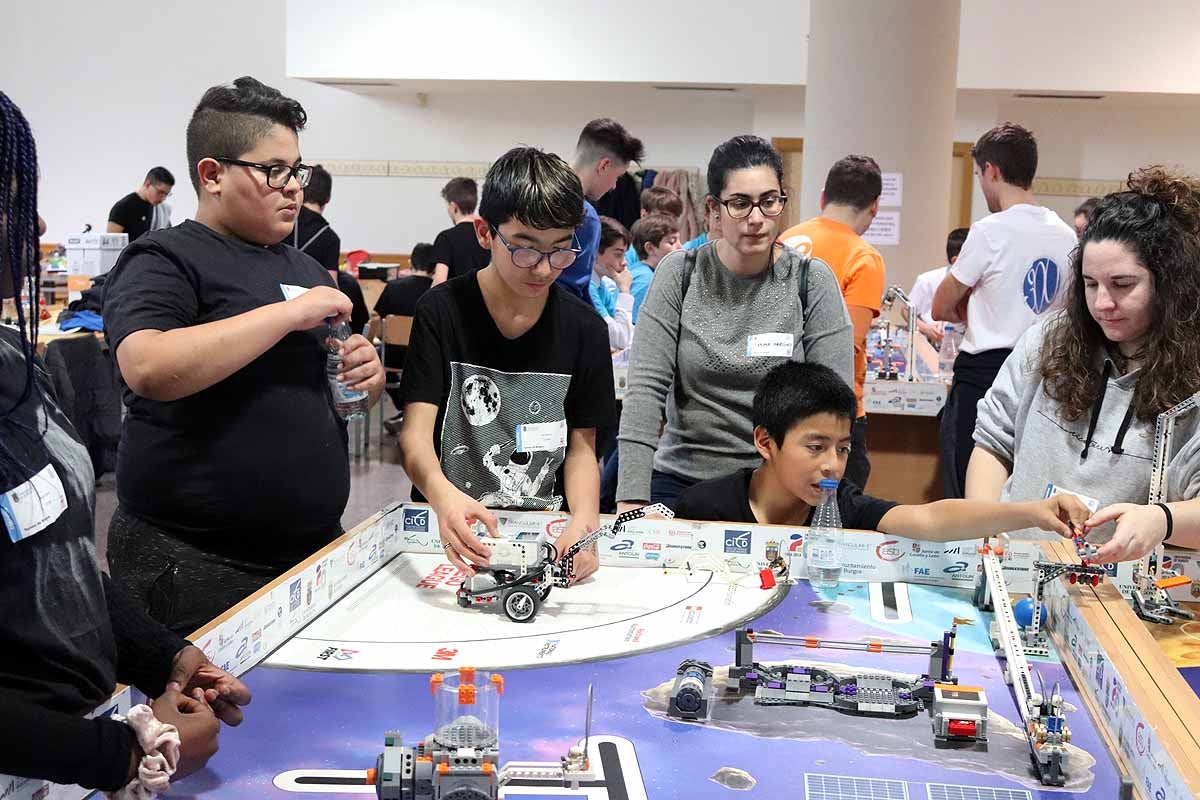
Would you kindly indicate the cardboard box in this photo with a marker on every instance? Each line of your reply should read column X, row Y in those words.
column 93, row 253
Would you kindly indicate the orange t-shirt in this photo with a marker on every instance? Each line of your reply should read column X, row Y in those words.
column 859, row 270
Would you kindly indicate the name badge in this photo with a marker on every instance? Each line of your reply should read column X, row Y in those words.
column 541, row 436
column 1092, row 503
column 34, row 505
column 763, row 345
column 291, row 292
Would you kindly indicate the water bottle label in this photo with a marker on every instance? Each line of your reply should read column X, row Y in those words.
column 823, row 554
column 344, row 394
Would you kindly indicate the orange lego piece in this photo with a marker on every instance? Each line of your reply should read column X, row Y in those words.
column 435, row 682
column 443, row 768
column 1171, row 583
column 371, row 776
column 466, row 675
column 466, row 695
column 488, row 768
column 498, row 682
column 874, row 647
column 812, row 641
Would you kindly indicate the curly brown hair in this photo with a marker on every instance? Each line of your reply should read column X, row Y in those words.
column 1158, row 219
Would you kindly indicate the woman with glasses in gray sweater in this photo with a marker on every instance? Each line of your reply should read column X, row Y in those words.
column 715, row 321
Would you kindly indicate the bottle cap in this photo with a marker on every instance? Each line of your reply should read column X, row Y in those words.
column 829, row 483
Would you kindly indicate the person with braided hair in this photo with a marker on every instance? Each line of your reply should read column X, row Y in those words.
column 67, row 633
column 1074, row 406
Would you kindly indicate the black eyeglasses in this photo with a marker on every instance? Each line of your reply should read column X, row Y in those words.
column 529, row 257
column 278, row 175
column 740, row 207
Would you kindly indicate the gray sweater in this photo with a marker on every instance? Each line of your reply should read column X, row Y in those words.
column 1020, row 423
column 711, row 435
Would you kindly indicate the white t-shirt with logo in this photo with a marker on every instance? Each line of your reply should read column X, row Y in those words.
column 1017, row 262
column 923, row 291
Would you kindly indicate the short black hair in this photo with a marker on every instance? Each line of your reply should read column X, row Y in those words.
column 741, row 152
column 320, row 186
column 1087, row 207
column 536, row 188
column 463, row 192
column 854, row 181
column 605, row 137
column 612, row 232
column 954, row 242
column 160, row 176
column 1012, row 149
column 792, row 392
column 422, row 257
column 230, row 119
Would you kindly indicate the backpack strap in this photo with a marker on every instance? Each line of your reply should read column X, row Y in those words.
column 685, row 282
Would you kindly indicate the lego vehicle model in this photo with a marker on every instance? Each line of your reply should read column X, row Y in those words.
column 523, row 570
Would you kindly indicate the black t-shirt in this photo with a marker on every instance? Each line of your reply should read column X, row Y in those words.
column 458, row 248
column 360, row 315
column 400, row 296
column 727, row 499
column 133, row 214
column 312, row 235
column 256, row 465
column 496, row 396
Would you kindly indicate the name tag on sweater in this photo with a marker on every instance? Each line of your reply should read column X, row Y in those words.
column 764, row 345
column 34, row 505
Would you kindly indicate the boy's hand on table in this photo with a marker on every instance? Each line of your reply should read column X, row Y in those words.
column 457, row 514
column 586, row 561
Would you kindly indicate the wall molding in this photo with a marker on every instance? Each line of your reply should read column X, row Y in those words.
column 383, row 168
column 1076, row 187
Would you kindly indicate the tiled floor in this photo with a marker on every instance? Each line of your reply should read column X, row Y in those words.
column 375, row 480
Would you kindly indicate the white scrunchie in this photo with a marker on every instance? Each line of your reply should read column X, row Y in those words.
column 160, row 743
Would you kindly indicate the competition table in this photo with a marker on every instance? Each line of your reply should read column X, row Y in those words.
column 339, row 651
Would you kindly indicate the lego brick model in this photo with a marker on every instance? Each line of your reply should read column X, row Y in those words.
column 522, row 571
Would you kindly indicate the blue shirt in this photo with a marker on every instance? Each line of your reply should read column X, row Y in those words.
column 576, row 277
column 642, row 274
column 630, row 256
column 692, row 244
column 604, row 297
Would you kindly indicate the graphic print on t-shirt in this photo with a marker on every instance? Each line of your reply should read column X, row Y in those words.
column 479, row 435
column 1041, row 285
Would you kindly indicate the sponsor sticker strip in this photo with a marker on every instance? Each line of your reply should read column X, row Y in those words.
column 1126, row 723
column 866, row 556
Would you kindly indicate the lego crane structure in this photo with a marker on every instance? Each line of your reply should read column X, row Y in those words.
column 1150, row 598
column 893, row 294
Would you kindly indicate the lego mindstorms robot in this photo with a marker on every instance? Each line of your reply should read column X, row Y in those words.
column 523, row 570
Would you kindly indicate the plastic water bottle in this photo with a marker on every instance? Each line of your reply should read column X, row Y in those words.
column 349, row 404
column 824, row 543
column 948, row 352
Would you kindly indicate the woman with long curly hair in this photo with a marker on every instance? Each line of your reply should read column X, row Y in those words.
column 1074, row 407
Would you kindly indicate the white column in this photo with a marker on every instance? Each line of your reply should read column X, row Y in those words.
column 881, row 82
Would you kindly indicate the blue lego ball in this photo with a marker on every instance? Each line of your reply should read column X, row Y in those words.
column 1023, row 612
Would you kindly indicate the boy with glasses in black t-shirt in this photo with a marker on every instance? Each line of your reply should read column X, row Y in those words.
column 802, row 417
column 220, row 333
column 508, row 375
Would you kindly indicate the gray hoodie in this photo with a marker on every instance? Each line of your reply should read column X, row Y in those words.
column 1105, row 455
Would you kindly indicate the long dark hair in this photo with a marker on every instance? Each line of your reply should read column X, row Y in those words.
column 19, row 251
column 1158, row 219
